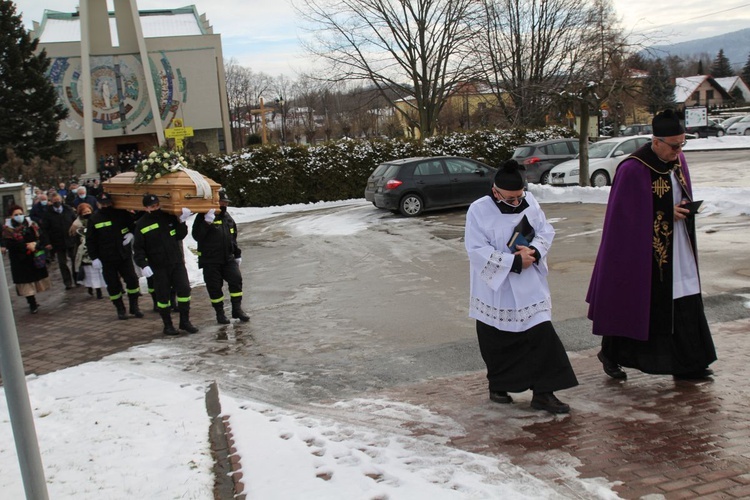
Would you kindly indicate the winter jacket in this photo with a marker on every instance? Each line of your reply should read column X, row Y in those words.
column 56, row 228
column 217, row 241
column 106, row 230
column 15, row 237
column 158, row 240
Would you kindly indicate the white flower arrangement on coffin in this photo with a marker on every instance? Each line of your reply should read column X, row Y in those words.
column 158, row 163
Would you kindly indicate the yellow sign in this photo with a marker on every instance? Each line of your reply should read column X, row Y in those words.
column 570, row 115
column 178, row 133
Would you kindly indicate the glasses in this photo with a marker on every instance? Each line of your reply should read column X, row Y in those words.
column 513, row 200
column 674, row 147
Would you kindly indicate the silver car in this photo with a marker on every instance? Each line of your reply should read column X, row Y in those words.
column 741, row 127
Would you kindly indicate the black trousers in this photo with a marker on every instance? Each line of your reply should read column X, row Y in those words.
column 62, row 255
column 164, row 279
column 113, row 271
column 216, row 274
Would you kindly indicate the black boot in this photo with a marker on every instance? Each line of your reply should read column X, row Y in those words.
column 33, row 306
column 166, row 317
column 237, row 311
column 98, row 293
column 221, row 318
column 134, row 310
column 121, row 312
column 185, row 318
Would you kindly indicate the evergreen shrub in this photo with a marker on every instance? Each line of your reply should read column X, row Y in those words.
column 275, row 174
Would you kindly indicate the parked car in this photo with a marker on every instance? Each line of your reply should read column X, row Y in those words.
column 636, row 129
column 728, row 122
column 538, row 158
column 710, row 129
column 604, row 156
column 414, row 185
column 741, row 127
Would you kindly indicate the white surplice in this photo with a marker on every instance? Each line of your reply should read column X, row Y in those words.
column 500, row 298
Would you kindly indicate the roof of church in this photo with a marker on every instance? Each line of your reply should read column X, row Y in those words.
column 66, row 26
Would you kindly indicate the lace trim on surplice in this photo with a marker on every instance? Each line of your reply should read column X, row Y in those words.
column 492, row 267
column 509, row 316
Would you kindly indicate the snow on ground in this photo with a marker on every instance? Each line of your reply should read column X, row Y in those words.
column 108, row 430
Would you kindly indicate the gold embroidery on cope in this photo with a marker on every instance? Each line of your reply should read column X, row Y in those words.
column 660, row 243
column 660, row 187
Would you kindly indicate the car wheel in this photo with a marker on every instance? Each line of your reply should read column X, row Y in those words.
column 600, row 178
column 544, row 179
column 411, row 205
column 747, row 131
column 720, row 133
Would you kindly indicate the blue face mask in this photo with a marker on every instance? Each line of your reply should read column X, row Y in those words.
column 18, row 218
column 82, row 196
column 44, row 203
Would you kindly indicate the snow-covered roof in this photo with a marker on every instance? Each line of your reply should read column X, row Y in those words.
column 66, row 27
column 684, row 87
column 729, row 83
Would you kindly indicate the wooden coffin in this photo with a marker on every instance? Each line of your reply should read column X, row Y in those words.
column 175, row 190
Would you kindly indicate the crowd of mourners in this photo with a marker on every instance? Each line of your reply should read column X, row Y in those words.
column 125, row 161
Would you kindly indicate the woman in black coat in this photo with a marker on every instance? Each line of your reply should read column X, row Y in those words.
column 22, row 242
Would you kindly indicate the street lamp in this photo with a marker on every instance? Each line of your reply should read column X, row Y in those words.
column 280, row 101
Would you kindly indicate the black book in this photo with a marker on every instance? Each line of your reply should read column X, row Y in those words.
column 695, row 207
column 523, row 234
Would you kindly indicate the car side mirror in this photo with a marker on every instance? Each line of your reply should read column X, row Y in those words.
column 480, row 172
column 617, row 153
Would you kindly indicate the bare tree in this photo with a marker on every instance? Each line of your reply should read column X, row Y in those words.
column 412, row 51
column 528, row 51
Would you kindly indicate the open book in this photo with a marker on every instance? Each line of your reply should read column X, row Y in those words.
column 523, row 234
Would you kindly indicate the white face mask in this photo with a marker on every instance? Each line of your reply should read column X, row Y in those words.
column 18, row 218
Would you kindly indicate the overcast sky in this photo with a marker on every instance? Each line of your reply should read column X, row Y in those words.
column 263, row 34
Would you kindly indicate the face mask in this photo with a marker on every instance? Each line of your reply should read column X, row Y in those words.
column 82, row 196
column 18, row 218
column 86, row 216
column 44, row 203
column 57, row 204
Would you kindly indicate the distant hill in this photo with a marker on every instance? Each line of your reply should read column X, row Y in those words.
column 736, row 47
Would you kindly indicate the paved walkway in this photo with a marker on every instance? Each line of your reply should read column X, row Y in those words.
column 648, row 436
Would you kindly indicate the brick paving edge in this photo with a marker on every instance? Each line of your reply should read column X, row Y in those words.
column 227, row 467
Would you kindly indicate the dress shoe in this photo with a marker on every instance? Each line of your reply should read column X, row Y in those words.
column 501, row 397
column 610, row 368
column 548, row 402
column 702, row 374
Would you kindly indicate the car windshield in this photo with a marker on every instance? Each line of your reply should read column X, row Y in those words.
column 601, row 149
column 746, row 119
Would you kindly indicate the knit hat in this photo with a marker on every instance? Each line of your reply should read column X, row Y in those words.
column 667, row 123
column 150, row 199
column 223, row 196
column 509, row 176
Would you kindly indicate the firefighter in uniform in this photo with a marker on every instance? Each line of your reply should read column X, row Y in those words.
column 108, row 239
column 220, row 257
column 158, row 252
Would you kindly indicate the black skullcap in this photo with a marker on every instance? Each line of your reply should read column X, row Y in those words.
column 667, row 124
column 150, row 199
column 509, row 176
column 223, row 196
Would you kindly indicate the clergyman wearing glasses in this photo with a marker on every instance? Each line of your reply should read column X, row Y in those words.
column 645, row 293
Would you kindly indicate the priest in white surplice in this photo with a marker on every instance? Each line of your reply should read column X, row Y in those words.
column 510, row 297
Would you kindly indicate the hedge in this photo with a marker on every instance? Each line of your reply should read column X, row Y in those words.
column 275, row 174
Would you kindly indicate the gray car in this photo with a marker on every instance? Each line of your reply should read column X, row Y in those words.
column 538, row 158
